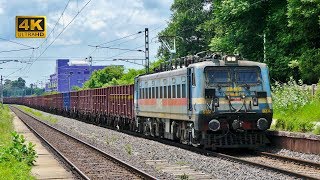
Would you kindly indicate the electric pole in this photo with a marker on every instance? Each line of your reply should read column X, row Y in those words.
column 1, row 92
column 90, row 65
column 146, row 36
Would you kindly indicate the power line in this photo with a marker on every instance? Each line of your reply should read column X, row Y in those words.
column 139, row 50
column 61, row 32
column 121, row 38
column 56, row 23
column 16, row 42
column 15, row 50
column 97, row 46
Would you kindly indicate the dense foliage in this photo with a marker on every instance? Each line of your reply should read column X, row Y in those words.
column 115, row 75
column 291, row 29
column 18, row 88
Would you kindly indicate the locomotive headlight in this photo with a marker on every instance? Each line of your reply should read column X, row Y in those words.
column 216, row 102
column 262, row 124
column 255, row 101
column 214, row 125
column 230, row 59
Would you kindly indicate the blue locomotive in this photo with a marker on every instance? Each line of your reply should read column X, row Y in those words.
column 210, row 101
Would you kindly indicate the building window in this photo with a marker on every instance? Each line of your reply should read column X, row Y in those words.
column 86, row 72
column 79, row 72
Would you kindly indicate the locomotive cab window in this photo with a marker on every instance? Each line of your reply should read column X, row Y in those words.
column 218, row 75
column 247, row 75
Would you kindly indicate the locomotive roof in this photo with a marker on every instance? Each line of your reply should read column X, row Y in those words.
column 203, row 64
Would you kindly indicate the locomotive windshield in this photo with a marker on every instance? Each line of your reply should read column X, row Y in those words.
column 249, row 75
column 218, row 75
column 238, row 75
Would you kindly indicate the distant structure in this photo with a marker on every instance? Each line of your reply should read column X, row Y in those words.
column 68, row 74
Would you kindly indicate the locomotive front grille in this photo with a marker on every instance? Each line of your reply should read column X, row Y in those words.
column 232, row 140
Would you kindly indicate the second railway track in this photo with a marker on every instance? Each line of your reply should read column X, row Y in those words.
column 286, row 165
column 88, row 161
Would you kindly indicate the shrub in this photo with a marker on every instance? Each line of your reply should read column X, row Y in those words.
column 19, row 150
column 317, row 130
column 290, row 95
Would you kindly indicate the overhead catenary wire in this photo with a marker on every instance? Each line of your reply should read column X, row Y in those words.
column 139, row 50
column 15, row 50
column 16, row 42
column 61, row 32
column 56, row 23
column 121, row 38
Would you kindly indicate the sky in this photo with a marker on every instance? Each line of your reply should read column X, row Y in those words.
column 99, row 22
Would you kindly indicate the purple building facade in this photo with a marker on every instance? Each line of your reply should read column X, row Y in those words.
column 69, row 74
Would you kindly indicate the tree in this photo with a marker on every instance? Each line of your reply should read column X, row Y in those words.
column 101, row 77
column 239, row 27
column 190, row 24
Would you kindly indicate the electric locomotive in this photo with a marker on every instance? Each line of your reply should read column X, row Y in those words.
column 211, row 101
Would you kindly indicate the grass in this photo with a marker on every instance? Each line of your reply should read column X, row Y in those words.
column 128, row 148
column 5, row 126
column 301, row 119
column 10, row 168
column 39, row 114
column 182, row 163
column 184, row 177
column 111, row 140
column 295, row 109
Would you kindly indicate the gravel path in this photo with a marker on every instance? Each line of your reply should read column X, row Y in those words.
column 137, row 151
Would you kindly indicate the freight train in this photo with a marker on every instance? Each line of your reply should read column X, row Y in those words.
column 212, row 101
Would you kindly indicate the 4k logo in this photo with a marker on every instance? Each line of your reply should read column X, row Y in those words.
column 30, row 26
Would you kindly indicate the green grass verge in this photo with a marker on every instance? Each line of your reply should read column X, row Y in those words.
column 39, row 114
column 300, row 119
column 11, row 168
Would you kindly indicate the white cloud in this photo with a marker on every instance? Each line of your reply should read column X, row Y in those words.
column 101, row 21
column 67, row 42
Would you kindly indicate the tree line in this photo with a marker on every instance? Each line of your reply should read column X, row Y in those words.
column 283, row 34
column 18, row 88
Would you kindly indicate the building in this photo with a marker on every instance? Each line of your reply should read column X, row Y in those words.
column 69, row 74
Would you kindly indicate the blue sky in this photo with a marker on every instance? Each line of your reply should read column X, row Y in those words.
column 100, row 22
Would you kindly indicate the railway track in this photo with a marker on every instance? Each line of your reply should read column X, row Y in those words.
column 291, row 166
column 87, row 161
column 282, row 164
column 286, row 165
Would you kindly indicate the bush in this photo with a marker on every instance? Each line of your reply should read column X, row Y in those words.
column 290, row 95
column 317, row 130
column 294, row 108
column 19, row 150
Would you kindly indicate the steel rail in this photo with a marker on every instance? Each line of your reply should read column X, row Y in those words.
column 285, row 158
column 129, row 167
column 217, row 154
column 213, row 154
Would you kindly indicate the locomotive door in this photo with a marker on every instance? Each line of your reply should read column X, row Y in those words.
column 189, row 91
